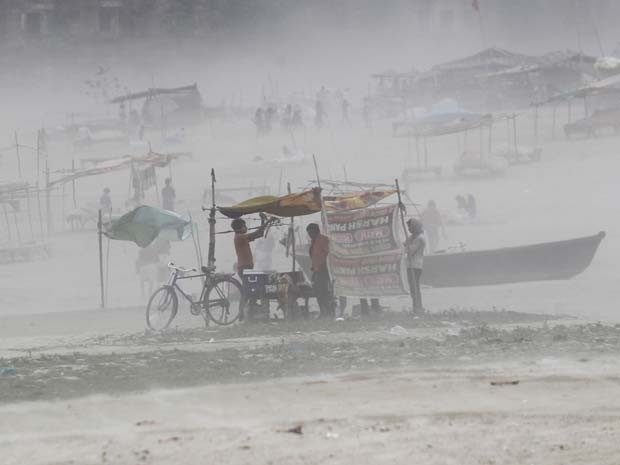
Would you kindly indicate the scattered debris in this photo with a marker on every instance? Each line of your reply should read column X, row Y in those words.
column 294, row 430
column 332, row 435
column 145, row 423
column 170, row 439
column 513, row 382
column 8, row 371
column 398, row 331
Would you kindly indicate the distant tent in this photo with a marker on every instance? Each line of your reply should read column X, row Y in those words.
column 144, row 224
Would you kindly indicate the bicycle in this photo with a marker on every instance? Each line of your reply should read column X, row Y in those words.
column 221, row 295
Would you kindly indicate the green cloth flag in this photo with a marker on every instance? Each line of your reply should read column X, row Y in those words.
column 144, row 224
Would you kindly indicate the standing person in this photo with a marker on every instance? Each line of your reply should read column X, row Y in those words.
column 270, row 116
column 105, row 202
column 245, row 259
column 433, row 223
column 259, row 121
column 297, row 121
column 366, row 113
column 345, row 110
column 471, row 207
column 168, row 196
column 414, row 248
column 319, row 250
column 319, row 114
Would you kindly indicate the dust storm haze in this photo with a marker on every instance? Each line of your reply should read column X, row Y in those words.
column 505, row 114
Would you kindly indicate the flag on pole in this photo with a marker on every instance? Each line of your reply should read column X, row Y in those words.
column 475, row 5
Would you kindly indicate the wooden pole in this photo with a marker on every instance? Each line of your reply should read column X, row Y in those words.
column 514, row 131
column 536, row 126
column 402, row 209
column 292, row 234
column 19, row 161
column 211, row 255
column 38, row 156
column 8, row 223
column 100, row 234
column 48, row 202
column 73, row 184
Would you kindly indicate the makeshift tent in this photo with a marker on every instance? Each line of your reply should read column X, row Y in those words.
column 355, row 200
column 144, row 224
column 298, row 204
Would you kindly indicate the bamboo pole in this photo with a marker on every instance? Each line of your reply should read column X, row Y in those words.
column 100, row 237
column 211, row 255
column 402, row 209
column 19, row 161
column 73, row 184
column 48, row 202
column 8, row 223
column 292, row 234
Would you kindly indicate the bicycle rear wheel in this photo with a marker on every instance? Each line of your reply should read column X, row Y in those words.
column 224, row 302
column 162, row 308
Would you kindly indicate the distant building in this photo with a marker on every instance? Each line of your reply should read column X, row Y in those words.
column 32, row 19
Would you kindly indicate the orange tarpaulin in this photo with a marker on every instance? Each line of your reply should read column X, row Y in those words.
column 299, row 204
column 355, row 200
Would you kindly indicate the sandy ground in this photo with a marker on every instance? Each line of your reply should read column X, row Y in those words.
column 91, row 387
column 448, row 389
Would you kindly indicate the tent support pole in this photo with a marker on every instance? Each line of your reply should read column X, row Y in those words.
column 48, row 201
column 292, row 235
column 211, row 256
column 100, row 234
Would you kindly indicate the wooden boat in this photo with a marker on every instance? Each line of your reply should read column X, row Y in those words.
column 548, row 261
column 538, row 262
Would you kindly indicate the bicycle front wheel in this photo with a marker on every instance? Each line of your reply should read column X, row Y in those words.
column 224, row 302
column 162, row 308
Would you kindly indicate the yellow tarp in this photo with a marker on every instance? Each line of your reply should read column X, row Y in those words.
column 355, row 200
column 299, row 204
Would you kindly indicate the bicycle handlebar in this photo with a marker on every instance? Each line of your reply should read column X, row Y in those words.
column 178, row 268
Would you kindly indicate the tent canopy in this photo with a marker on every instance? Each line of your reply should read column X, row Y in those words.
column 144, row 224
column 298, row 204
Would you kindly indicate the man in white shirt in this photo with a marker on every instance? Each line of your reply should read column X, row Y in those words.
column 414, row 248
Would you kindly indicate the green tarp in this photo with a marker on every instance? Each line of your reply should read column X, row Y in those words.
column 144, row 224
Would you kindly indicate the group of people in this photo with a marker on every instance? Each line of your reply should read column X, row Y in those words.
column 266, row 118
column 415, row 246
column 467, row 204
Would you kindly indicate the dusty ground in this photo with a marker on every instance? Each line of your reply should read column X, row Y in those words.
column 386, row 390
column 91, row 387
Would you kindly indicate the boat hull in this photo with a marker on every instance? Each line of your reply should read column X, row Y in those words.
column 538, row 262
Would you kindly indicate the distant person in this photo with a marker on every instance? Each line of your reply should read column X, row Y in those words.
column 319, row 114
column 345, row 106
column 259, row 121
column 149, row 268
column 168, row 196
column 433, row 224
column 321, row 282
column 105, row 202
column 461, row 203
column 366, row 114
column 287, row 117
column 471, row 207
column 270, row 116
column 297, row 121
column 414, row 248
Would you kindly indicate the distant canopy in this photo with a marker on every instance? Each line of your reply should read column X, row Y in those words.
column 298, row 204
column 144, row 224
